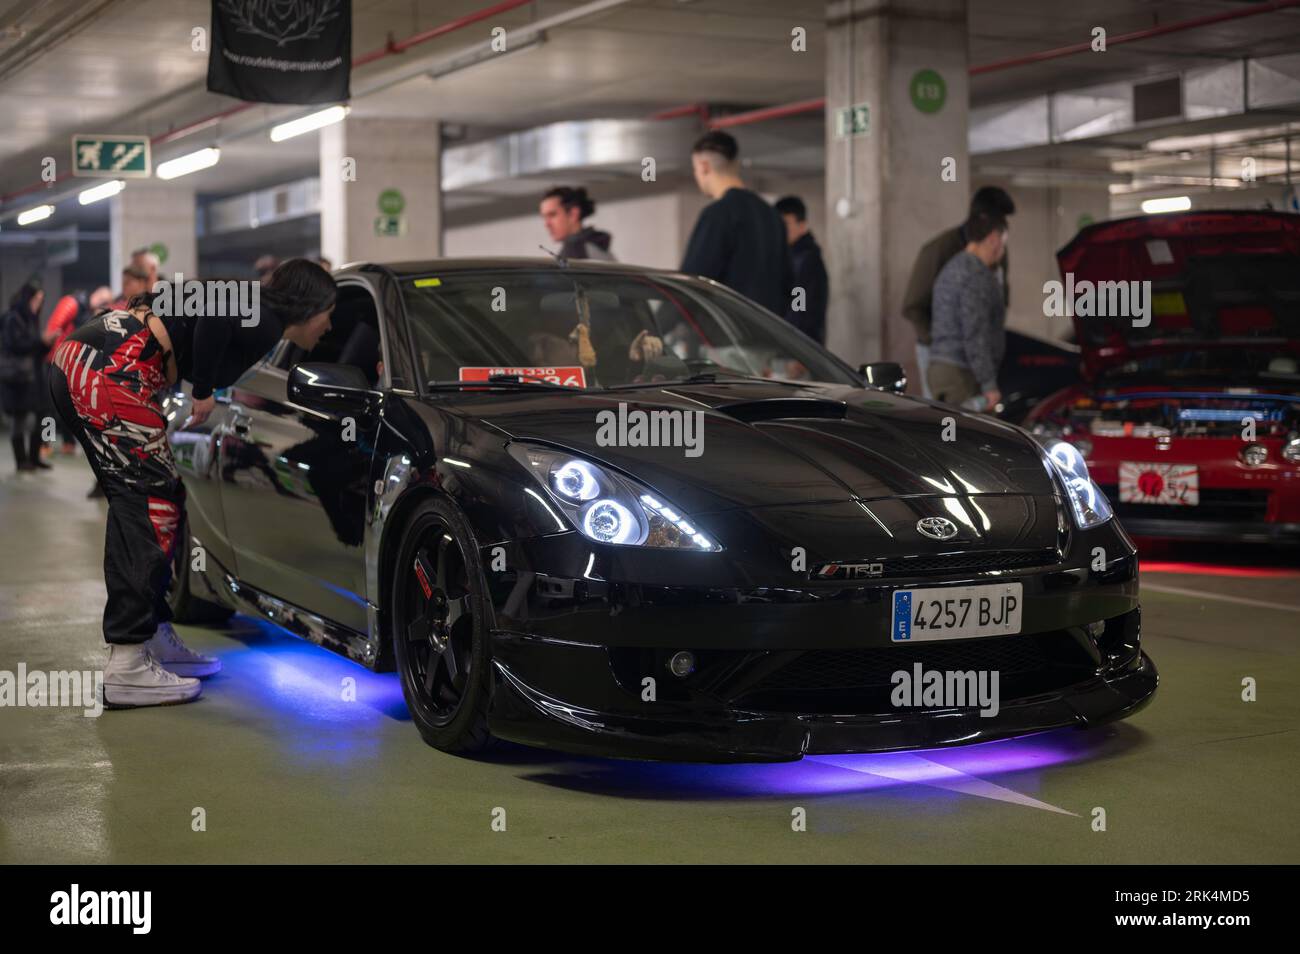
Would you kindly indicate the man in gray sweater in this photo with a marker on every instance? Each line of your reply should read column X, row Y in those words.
column 968, row 311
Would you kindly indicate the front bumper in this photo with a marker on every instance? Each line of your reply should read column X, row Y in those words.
column 526, row 714
column 784, row 673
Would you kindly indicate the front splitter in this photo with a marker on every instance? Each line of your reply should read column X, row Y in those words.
column 522, row 713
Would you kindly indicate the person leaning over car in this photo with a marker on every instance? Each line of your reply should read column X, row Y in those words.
column 967, row 337
column 930, row 260
column 108, row 380
column 70, row 313
column 738, row 240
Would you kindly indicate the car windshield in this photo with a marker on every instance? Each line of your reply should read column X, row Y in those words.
column 584, row 328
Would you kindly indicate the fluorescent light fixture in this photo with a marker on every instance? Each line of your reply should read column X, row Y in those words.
column 306, row 124
column 184, row 165
column 105, row 190
column 1175, row 203
column 38, row 214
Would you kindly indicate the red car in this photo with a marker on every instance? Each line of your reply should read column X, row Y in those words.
column 1188, row 414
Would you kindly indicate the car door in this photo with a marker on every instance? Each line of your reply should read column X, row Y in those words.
column 196, row 452
column 295, row 480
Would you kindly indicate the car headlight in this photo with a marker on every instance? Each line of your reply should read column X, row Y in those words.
column 1090, row 506
column 608, row 507
column 1291, row 450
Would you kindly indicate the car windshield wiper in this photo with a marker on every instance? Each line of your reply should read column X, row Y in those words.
column 498, row 381
column 707, row 377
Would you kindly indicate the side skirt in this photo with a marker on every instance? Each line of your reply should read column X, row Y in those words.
column 333, row 636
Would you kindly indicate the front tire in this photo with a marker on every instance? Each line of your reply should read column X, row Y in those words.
column 441, row 620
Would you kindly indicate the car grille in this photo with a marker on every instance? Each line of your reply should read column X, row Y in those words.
column 922, row 564
column 864, row 668
column 1215, row 504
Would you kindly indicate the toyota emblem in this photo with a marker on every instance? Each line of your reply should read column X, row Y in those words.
column 936, row 528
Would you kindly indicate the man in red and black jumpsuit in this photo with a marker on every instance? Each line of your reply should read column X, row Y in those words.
column 111, row 372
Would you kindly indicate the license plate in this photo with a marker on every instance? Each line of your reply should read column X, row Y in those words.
column 1175, row 485
column 956, row 612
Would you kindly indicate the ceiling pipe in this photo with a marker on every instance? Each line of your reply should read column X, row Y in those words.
column 1272, row 6
column 768, row 112
column 392, row 48
column 814, row 105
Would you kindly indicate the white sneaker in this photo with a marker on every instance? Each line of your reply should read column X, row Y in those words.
column 176, row 657
column 134, row 678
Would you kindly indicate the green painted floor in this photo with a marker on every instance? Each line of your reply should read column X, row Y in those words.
column 285, row 770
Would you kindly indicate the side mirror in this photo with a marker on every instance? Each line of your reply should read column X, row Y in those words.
column 884, row 376
column 334, row 389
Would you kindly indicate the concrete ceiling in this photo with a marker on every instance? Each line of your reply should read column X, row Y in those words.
column 127, row 66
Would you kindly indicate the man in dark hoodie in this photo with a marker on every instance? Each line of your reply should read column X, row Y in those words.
column 808, row 314
column 739, row 240
column 563, row 209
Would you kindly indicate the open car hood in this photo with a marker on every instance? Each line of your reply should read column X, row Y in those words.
column 1225, row 276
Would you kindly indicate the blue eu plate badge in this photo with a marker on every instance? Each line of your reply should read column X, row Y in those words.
column 902, row 615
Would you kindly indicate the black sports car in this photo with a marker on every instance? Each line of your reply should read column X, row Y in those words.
column 614, row 510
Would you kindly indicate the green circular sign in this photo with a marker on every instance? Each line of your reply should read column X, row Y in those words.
column 159, row 249
column 391, row 202
column 928, row 91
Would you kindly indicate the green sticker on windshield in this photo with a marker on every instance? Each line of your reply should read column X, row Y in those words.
column 428, row 282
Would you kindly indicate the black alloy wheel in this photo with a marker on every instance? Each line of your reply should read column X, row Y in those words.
column 439, row 629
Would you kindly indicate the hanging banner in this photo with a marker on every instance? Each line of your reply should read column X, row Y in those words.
column 281, row 51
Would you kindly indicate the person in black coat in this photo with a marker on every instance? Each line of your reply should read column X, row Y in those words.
column 21, row 351
column 809, row 271
column 738, row 239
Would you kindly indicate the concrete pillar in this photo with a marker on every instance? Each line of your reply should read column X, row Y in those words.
column 885, row 196
column 158, row 214
column 392, row 210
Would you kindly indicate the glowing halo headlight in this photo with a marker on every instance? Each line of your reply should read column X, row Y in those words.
column 608, row 521
column 575, row 480
column 608, row 507
column 1087, row 502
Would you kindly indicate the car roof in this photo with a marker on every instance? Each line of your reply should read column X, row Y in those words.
column 445, row 265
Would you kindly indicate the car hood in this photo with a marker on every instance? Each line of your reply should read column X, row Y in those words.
column 1215, row 276
column 771, row 445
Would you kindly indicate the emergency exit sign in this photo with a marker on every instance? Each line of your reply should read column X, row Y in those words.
column 111, row 157
column 853, row 121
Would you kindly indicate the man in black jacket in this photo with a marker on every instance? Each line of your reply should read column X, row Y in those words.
column 807, row 312
column 739, row 239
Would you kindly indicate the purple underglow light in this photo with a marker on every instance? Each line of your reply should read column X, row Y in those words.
column 302, row 686
column 920, row 774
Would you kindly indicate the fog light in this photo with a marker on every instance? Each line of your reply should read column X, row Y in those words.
column 682, row 664
column 1254, row 455
column 1292, row 450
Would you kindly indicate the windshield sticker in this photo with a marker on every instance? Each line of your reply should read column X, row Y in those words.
column 428, row 282
column 570, row 377
column 1159, row 252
